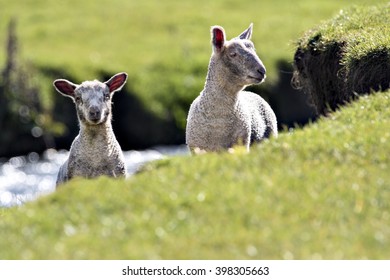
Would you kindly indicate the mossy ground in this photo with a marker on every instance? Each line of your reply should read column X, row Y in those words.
column 345, row 56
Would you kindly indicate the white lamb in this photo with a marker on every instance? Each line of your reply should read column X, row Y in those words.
column 224, row 115
column 95, row 151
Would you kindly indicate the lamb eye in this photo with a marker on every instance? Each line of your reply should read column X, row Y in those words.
column 233, row 54
column 106, row 97
column 78, row 99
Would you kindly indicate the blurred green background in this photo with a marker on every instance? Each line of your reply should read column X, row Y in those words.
column 164, row 46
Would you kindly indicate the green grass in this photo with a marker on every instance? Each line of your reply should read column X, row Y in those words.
column 163, row 45
column 345, row 56
column 364, row 29
column 321, row 192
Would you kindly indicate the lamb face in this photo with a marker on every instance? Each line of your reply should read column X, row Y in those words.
column 92, row 98
column 240, row 62
column 240, row 58
column 93, row 103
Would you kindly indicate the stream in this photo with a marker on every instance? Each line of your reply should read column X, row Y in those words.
column 25, row 178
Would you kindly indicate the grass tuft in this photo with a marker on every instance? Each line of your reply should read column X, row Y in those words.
column 347, row 55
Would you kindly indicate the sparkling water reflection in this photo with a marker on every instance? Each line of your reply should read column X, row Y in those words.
column 25, row 178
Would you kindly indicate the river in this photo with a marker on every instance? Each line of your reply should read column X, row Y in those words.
column 25, row 178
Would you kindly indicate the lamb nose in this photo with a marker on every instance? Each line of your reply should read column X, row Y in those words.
column 261, row 71
column 94, row 112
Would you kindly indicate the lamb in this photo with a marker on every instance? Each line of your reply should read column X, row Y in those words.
column 95, row 151
column 224, row 115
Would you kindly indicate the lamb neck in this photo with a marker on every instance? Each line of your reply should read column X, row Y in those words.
column 99, row 137
column 220, row 90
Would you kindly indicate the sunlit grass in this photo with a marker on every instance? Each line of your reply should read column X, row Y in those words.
column 365, row 30
column 318, row 192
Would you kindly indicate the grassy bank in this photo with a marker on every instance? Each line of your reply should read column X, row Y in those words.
column 345, row 56
column 318, row 192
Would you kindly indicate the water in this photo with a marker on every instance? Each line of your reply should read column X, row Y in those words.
column 25, row 178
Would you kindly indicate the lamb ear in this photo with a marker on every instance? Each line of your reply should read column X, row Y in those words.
column 65, row 87
column 218, row 37
column 116, row 82
column 247, row 34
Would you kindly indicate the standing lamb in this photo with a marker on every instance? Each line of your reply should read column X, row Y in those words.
column 95, row 151
column 224, row 115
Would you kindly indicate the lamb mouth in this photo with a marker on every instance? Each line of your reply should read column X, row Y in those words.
column 258, row 79
column 94, row 121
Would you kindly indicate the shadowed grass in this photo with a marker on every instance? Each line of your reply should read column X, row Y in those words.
column 345, row 56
